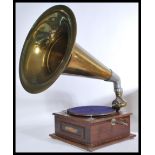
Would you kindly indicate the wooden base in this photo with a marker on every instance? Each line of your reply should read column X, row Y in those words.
column 91, row 148
column 92, row 133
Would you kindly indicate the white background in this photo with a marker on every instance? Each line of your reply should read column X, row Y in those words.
column 148, row 63
column 108, row 31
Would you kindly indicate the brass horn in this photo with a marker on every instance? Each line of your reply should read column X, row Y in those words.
column 50, row 50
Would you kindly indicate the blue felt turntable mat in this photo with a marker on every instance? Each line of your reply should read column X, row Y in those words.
column 91, row 111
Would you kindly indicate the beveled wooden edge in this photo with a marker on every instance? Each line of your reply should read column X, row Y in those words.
column 62, row 114
column 91, row 148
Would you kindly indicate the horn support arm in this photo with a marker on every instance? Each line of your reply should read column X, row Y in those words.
column 119, row 102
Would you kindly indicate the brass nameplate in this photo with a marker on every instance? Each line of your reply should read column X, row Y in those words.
column 70, row 129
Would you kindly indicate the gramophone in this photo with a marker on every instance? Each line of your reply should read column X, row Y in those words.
column 49, row 51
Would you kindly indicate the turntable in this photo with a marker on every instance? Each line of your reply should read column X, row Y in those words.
column 49, row 51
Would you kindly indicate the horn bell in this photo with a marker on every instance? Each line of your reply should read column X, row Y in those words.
column 47, row 48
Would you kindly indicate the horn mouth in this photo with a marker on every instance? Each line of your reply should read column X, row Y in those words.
column 47, row 49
